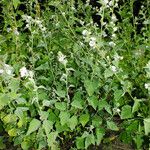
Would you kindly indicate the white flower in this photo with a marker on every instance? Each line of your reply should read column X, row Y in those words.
column 114, row 19
column 43, row 29
column 62, row 58
column 16, row 32
column 105, row 2
column 93, row 39
column 84, row 32
column 114, row 35
column 113, row 68
column 92, row 43
column 110, row 3
column 24, row 72
column 1, row 71
column 8, row 29
column 8, row 69
column 112, row 43
column 115, row 29
column 147, row 85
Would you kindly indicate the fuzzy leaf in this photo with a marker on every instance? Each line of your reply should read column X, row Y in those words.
column 80, row 143
column 91, row 86
column 112, row 126
column 84, row 119
column 33, row 126
column 93, row 101
column 64, row 117
column 61, row 105
column 73, row 121
column 147, row 125
column 126, row 112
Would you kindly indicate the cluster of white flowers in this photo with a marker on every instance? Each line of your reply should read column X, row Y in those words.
column 25, row 73
column 113, row 68
column 91, row 40
column 29, row 20
column 7, row 69
column 62, row 58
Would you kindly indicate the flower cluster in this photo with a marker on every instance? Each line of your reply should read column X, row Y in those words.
column 25, row 73
column 29, row 20
column 7, row 69
column 62, row 58
column 91, row 40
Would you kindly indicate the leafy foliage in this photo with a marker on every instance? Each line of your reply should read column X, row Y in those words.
column 70, row 81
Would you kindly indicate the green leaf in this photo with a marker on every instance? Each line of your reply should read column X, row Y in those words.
column 73, row 121
column 43, row 67
column 77, row 101
column 135, row 106
column 14, row 85
column 84, row 119
column 102, row 104
column 99, row 135
column 118, row 94
column 10, row 118
column 91, row 86
column 12, row 132
column 16, row 3
column 126, row 112
column 90, row 139
column 139, row 141
column 44, row 115
column 25, row 145
column 61, row 105
column 33, row 126
column 93, row 101
column 64, row 117
column 112, row 126
column 52, row 139
column 48, row 126
column 147, row 125
column 61, row 93
column 80, row 143
column 108, row 73
column 4, row 100
column 96, row 121
column 2, row 143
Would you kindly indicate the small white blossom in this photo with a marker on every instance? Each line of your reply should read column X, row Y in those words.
column 43, row 29
column 24, row 72
column 114, row 19
column 115, row 29
column 92, row 42
column 84, row 32
column 63, row 13
column 147, row 85
column 8, row 29
column 1, row 71
column 8, row 69
column 62, row 58
column 112, row 43
column 114, row 35
column 93, row 39
column 105, row 2
column 113, row 68
column 16, row 32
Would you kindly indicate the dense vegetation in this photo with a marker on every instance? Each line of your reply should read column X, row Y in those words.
column 74, row 74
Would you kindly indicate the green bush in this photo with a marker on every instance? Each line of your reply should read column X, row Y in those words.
column 67, row 82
